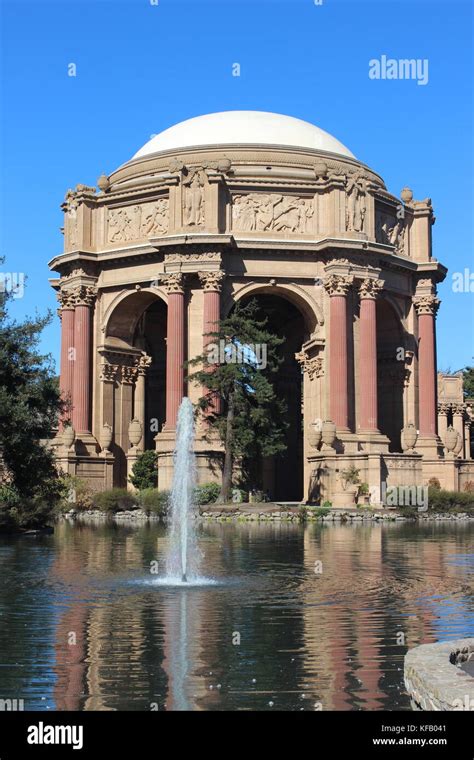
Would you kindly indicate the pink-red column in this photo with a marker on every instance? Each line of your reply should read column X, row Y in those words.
column 368, row 290
column 67, row 352
column 82, row 360
column 426, row 307
column 212, row 285
column 338, row 287
column 174, row 348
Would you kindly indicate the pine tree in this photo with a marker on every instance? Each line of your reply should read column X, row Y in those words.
column 251, row 423
column 29, row 409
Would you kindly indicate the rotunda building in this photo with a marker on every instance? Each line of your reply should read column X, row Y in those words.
column 236, row 205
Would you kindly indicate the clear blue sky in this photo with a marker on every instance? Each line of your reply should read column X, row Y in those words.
column 143, row 67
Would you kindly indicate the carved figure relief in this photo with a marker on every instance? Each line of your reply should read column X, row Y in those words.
column 271, row 212
column 356, row 190
column 194, row 197
column 390, row 231
column 140, row 221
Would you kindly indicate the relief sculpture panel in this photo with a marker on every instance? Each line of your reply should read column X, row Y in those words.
column 139, row 221
column 260, row 212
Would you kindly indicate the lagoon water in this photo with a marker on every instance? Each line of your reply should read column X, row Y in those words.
column 282, row 616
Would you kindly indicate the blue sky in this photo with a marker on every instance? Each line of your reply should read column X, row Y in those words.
column 142, row 67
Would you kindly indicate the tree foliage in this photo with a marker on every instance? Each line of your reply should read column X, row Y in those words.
column 29, row 410
column 145, row 471
column 251, row 421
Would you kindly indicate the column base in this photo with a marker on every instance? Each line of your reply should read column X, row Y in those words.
column 85, row 444
column 430, row 446
column 373, row 441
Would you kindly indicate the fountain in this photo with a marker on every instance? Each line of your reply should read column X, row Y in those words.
column 183, row 556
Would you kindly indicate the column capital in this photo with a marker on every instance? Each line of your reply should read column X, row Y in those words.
column 313, row 366
column 444, row 408
column 369, row 288
column 108, row 372
column 212, row 281
column 129, row 374
column 174, row 283
column 83, row 295
column 426, row 304
column 338, row 284
column 143, row 362
column 66, row 299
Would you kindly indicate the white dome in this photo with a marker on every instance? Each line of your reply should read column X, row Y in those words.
column 244, row 128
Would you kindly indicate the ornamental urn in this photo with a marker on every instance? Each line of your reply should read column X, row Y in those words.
column 315, row 434
column 106, row 436
column 451, row 439
column 69, row 434
column 135, row 432
column 409, row 437
column 328, row 433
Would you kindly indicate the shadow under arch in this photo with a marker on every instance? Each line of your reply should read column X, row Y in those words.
column 311, row 312
column 125, row 312
column 392, row 343
column 281, row 476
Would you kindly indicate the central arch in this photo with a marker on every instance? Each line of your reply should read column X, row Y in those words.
column 281, row 476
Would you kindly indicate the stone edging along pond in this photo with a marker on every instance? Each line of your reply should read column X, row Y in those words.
column 434, row 679
column 272, row 513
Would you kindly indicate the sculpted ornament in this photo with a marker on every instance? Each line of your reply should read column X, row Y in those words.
column 194, row 197
column 143, row 363
column 337, row 284
column 211, row 281
column 370, row 288
column 83, row 295
column 356, row 190
column 109, row 372
column 271, row 212
column 174, row 282
column 313, row 367
column 428, row 304
column 139, row 221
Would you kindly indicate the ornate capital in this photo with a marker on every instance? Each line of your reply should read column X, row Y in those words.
column 66, row 299
column 143, row 363
column 174, row 283
column 427, row 304
column 459, row 409
column 444, row 408
column 211, row 281
column 129, row 374
column 370, row 288
column 312, row 366
column 108, row 373
column 338, row 284
column 83, row 295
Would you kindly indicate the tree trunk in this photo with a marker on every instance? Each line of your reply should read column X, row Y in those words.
column 224, row 495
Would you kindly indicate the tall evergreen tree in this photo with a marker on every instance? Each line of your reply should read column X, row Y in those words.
column 251, row 422
column 29, row 409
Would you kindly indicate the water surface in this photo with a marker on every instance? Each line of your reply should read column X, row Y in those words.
column 285, row 617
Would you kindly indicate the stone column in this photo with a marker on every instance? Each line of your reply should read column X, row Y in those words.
column 174, row 347
column 426, row 307
column 467, row 438
column 67, row 351
column 458, row 425
column 212, row 285
column 139, row 401
column 368, row 291
column 84, row 298
column 338, row 287
column 443, row 411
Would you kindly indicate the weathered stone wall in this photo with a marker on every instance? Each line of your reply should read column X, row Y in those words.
column 433, row 678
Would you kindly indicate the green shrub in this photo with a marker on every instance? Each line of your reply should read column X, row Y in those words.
column 78, row 494
column 456, row 501
column 153, row 501
column 327, row 504
column 207, row 493
column 115, row 500
column 145, row 471
column 320, row 511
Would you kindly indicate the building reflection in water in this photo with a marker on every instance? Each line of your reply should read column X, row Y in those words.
column 332, row 639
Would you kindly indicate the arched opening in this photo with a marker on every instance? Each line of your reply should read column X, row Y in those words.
column 137, row 324
column 150, row 336
column 281, row 475
column 390, row 373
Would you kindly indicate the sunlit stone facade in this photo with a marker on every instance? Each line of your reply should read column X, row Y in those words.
column 232, row 206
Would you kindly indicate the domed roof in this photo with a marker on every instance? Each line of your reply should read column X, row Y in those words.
column 243, row 128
